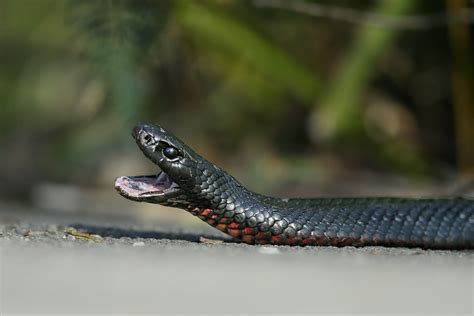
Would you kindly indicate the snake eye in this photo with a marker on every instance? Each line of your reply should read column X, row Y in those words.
column 170, row 152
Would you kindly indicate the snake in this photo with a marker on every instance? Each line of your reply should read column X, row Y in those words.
column 188, row 181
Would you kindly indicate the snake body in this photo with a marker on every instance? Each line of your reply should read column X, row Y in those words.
column 190, row 182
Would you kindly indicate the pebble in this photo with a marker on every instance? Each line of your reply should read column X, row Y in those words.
column 138, row 244
column 269, row 251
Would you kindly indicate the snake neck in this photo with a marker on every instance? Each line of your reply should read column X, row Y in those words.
column 222, row 202
column 216, row 189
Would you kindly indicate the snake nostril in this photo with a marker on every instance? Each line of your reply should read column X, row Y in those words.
column 146, row 139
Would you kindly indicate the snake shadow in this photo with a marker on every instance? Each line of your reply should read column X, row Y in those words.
column 118, row 232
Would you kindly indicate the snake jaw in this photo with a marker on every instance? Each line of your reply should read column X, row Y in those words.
column 143, row 188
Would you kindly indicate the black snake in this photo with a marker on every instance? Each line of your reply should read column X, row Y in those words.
column 190, row 182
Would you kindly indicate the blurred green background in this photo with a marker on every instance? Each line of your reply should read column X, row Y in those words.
column 366, row 94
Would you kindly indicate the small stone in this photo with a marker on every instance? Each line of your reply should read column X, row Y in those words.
column 210, row 241
column 138, row 244
column 269, row 250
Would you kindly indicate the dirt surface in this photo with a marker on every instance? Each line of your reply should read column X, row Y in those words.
column 68, row 264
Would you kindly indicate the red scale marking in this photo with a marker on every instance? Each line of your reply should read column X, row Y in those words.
column 205, row 212
column 234, row 225
column 234, row 232
column 248, row 231
column 210, row 221
column 224, row 224
column 248, row 239
column 276, row 238
column 251, row 235
column 307, row 241
column 225, row 220
column 322, row 241
column 293, row 241
column 342, row 241
column 221, row 227
column 263, row 236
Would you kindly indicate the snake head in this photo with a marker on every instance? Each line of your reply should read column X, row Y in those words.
column 180, row 181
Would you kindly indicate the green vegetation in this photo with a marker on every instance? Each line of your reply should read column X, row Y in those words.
column 242, row 82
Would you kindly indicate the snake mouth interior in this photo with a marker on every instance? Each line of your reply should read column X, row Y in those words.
column 145, row 186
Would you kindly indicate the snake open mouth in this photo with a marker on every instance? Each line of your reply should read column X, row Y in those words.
column 137, row 187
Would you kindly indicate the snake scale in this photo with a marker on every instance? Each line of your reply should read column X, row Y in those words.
column 190, row 182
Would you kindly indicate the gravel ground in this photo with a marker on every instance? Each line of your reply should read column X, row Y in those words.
column 67, row 264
